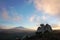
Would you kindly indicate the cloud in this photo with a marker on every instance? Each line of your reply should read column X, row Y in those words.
column 15, row 16
column 37, row 18
column 51, row 7
column 31, row 19
column 48, row 7
column 5, row 14
column 44, row 17
column 29, row 1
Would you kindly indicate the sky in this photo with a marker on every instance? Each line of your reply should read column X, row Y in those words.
column 29, row 13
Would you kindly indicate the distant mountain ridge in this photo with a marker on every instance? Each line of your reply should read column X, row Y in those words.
column 4, row 27
column 19, row 29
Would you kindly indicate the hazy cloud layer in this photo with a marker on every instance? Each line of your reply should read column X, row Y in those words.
column 37, row 18
column 48, row 7
column 5, row 14
column 51, row 7
column 31, row 19
column 14, row 17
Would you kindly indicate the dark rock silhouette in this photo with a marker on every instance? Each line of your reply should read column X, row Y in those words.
column 48, row 28
column 44, row 28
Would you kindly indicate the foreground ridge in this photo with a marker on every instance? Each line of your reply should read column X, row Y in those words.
column 44, row 32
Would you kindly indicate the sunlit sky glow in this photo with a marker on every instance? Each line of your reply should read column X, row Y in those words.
column 29, row 13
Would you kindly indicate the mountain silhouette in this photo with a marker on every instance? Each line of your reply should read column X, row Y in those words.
column 19, row 29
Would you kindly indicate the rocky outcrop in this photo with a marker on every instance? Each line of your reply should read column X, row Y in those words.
column 44, row 28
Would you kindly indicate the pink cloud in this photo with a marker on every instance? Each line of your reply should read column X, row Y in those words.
column 17, row 18
column 14, row 17
column 51, row 7
column 34, row 18
column 44, row 17
column 31, row 19
column 5, row 14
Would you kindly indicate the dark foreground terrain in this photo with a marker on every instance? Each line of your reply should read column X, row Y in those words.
column 55, row 35
column 12, row 34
